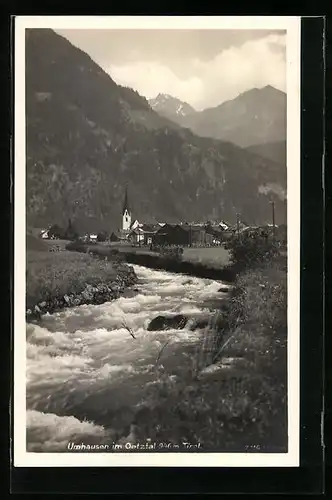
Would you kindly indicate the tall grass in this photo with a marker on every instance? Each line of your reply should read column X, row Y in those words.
column 215, row 257
column 242, row 407
column 99, row 250
column 54, row 274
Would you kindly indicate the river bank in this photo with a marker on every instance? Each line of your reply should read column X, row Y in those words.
column 87, row 376
column 213, row 268
column 93, row 274
column 234, row 396
column 60, row 279
column 173, row 265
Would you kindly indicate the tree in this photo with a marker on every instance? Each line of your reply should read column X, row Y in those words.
column 102, row 236
column 71, row 232
column 251, row 248
column 56, row 231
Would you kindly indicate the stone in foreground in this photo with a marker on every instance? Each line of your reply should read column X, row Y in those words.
column 165, row 323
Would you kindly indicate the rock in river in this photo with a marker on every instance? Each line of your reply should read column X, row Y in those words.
column 165, row 323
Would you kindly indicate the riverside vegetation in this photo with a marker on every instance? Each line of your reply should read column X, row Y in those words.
column 234, row 395
column 62, row 278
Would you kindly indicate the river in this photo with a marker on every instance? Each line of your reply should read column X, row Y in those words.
column 87, row 375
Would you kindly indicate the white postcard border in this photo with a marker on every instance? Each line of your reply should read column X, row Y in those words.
column 22, row 458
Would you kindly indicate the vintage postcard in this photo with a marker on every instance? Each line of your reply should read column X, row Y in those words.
column 157, row 240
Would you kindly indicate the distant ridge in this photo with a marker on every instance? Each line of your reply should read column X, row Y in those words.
column 169, row 106
column 276, row 151
column 256, row 116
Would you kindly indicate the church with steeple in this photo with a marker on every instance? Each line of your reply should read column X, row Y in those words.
column 126, row 215
column 136, row 232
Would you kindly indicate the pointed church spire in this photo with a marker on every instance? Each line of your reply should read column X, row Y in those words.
column 126, row 215
column 126, row 204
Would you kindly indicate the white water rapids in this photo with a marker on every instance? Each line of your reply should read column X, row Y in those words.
column 86, row 373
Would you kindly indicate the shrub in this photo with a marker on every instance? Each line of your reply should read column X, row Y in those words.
column 71, row 232
column 76, row 246
column 102, row 236
column 251, row 248
column 114, row 252
column 56, row 231
column 173, row 252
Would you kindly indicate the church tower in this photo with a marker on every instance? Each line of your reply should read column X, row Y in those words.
column 126, row 214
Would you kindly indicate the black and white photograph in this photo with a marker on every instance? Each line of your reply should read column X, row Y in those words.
column 157, row 241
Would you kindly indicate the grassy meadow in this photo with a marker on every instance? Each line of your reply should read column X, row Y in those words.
column 214, row 257
column 54, row 274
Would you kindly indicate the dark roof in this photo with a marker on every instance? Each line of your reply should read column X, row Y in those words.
column 114, row 237
column 148, row 228
column 167, row 228
column 145, row 228
column 217, row 232
column 193, row 227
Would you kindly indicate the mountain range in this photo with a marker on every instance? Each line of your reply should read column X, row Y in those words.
column 89, row 138
column 257, row 116
column 171, row 107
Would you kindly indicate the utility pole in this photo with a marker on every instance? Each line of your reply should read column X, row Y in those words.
column 238, row 224
column 273, row 222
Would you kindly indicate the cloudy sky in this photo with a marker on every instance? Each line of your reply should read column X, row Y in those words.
column 201, row 67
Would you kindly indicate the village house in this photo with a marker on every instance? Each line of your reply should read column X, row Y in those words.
column 44, row 234
column 170, row 234
column 142, row 234
column 53, row 232
column 161, row 233
column 135, row 225
column 90, row 238
column 223, row 225
column 198, row 236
